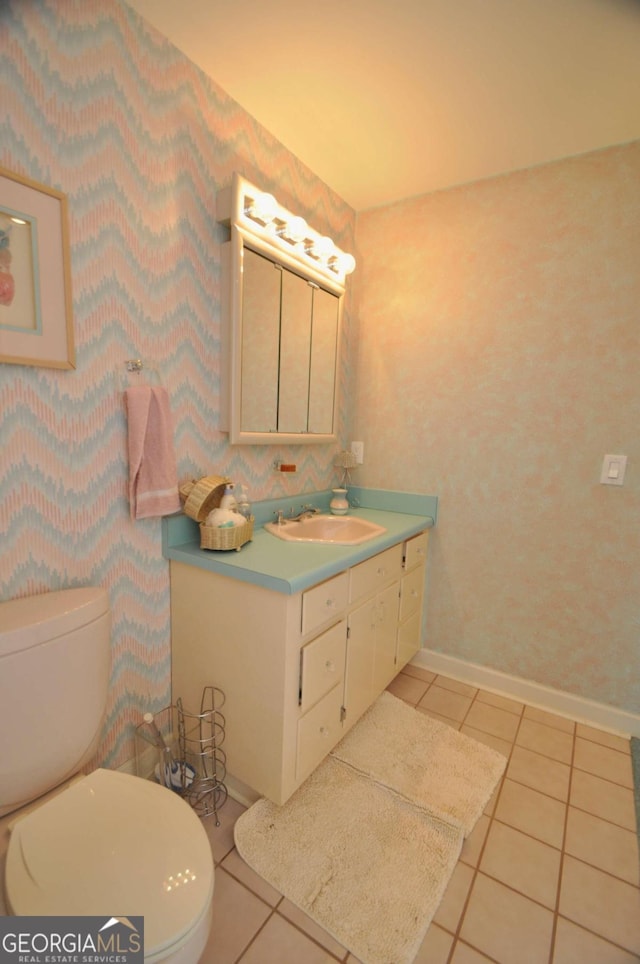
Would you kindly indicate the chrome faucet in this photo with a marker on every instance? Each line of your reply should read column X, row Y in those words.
column 306, row 512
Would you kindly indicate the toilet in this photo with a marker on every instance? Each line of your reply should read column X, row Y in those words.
column 107, row 843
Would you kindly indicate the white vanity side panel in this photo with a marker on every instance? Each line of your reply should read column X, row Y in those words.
column 245, row 640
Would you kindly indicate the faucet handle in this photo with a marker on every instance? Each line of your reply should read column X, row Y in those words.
column 279, row 514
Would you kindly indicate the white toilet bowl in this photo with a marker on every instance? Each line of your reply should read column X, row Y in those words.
column 116, row 845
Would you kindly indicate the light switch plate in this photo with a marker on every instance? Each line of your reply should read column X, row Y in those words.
column 357, row 449
column 613, row 469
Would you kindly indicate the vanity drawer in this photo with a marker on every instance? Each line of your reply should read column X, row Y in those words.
column 411, row 589
column 322, row 664
column 366, row 577
column 324, row 601
column 416, row 550
column 318, row 732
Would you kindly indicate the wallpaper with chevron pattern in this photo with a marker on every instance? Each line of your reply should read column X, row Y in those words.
column 96, row 104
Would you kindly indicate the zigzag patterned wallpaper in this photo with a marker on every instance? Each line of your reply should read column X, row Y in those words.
column 99, row 106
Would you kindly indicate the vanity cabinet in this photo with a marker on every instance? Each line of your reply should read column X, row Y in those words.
column 297, row 670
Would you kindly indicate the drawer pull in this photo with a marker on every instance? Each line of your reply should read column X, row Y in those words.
column 414, row 593
column 330, row 666
column 324, row 731
column 329, row 603
column 382, row 571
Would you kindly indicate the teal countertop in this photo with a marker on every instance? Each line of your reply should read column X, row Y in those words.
column 289, row 567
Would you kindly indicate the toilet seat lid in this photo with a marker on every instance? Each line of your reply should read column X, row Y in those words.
column 113, row 844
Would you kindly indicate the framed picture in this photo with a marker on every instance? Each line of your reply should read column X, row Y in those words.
column 36, row 322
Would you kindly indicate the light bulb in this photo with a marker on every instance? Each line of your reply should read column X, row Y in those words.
column 342, row 263
column 321, row 248
column 294, row 230
column 348, row 263
column 262, row 208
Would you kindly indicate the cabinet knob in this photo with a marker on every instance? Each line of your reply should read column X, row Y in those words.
column 330, row 666
column 382, row 571
column 329, row 603
column 324, row 731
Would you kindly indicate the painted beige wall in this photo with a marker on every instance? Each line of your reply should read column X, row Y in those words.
column 498, row 361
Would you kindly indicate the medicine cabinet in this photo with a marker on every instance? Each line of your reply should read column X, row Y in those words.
column 281, row 320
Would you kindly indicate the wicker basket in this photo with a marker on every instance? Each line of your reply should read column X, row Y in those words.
column 199, row 499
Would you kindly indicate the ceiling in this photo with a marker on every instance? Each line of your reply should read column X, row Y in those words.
column 387, row 99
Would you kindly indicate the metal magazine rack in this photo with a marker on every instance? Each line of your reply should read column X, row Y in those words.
column 183, row 751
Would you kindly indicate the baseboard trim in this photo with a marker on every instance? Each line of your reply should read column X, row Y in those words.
column 573, row 707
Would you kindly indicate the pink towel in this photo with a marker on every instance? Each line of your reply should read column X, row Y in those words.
column 153, row 475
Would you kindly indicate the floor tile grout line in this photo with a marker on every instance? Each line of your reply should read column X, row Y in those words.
column 556, row 910
column 600, row 937
column 476, row 869
column 275, row 912
column 274, row 909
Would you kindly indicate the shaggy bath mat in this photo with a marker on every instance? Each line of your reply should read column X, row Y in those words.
column 431, row 764
column 366, row 865
column 361, row 846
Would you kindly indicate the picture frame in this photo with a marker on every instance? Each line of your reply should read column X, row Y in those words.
column 36, row 309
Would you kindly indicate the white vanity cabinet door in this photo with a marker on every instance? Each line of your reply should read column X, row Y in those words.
column 371, row 650
column 411, row 588
column 358, row 683
column 384, row 661
column 408, row 639
column 411, row 596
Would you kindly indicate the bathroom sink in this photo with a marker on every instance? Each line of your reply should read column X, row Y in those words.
column 335, row 530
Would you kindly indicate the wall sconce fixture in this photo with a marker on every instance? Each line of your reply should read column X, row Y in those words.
column 260, row 215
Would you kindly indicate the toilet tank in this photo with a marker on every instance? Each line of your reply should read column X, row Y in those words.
column 55, row 661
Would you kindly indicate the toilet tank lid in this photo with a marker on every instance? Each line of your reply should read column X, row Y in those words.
column 32, row 620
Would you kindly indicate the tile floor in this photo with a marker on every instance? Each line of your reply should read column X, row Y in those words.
column 550, row 874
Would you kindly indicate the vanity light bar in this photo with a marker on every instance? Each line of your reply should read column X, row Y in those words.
column 260, row 215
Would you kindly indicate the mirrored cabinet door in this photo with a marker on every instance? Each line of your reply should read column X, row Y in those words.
column 260, row 343
column 295, row 351
column 322, row 375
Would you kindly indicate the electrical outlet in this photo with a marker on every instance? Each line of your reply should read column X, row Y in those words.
column 358, row 450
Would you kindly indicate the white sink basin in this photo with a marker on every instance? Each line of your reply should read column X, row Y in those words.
column 335, row 530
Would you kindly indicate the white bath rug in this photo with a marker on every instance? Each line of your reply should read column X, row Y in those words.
column 447, row 773
column 368, row 866
column 367, row 845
